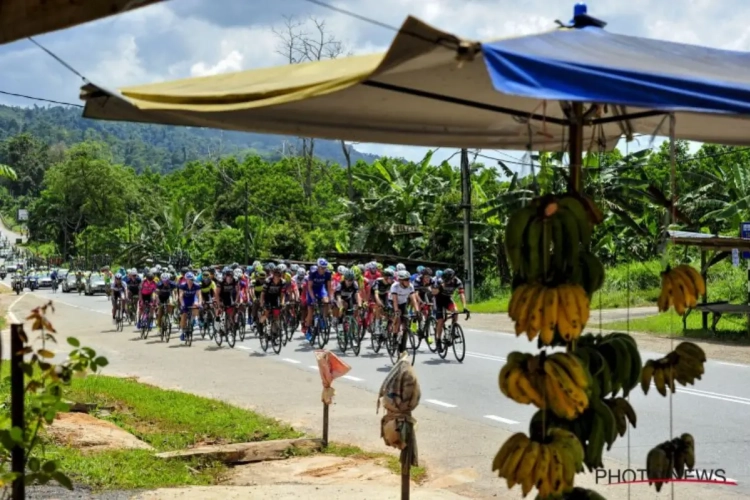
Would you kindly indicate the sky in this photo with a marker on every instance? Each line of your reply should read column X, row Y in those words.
column 183, row 38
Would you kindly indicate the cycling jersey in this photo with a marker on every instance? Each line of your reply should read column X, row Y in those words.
column 164, row 290
column 148, row 287
column 320, row 282
column 207, row 288
column 257, row 285
column 382, row 289
column 118, row 287
column 228, row 292
column 423, row 288
column 446, row 289
column 402, row 293
column 348, row 293
column 134, row 284
column 272, row 292
column 189, row 293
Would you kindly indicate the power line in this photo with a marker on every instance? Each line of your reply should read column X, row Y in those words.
column 40, row 99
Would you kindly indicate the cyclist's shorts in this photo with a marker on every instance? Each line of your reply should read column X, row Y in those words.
column 146, row 297
column 319, row 293
column 273, row 302
column 164, row 298
column 403, row 308
column 188, row 305
column 441, row 307
column 303, row 299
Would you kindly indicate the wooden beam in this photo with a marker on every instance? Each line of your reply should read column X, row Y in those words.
column 248, row 452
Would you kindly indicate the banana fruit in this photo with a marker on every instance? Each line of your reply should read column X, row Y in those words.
column 549, row 465
column 681, row 287
column 613, row 361
column 582, row 494
column 542, row 311
column 683, row 365
column 545, row 239
column 559, row 382
column 675, row 455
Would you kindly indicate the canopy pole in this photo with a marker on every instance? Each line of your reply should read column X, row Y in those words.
column 575, row 152
column 466, row 202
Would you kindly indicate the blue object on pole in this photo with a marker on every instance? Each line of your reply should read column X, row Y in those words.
column 745, row 233
column 579, row 9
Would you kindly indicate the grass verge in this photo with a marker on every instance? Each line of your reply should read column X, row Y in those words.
column 171, row 420
column 730, row 327
column 609, row 299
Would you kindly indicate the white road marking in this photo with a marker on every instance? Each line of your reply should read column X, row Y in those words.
column 13, row 318
column 55, row 301
column 440, row 403
column 355, row 379
column 288, row 360
column 485, row 356
column 314, row 367
column 244, row 348
column 711, row 395
column 733, row 364
column 501, row 419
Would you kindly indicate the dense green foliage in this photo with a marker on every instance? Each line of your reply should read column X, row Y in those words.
column 85, row 197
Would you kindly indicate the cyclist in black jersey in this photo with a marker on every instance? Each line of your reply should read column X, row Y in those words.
column 443, row 289
column 118, row 292
column 273, row 296
column 380, row 291
column 347, row 294
column 164, row 293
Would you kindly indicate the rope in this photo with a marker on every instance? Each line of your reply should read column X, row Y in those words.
column 627, row 322
column 672, row 154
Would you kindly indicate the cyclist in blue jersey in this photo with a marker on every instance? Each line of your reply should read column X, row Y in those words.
column 188, row 299
column 319, row 289
column 415, row 277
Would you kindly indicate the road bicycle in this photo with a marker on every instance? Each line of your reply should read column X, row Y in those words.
column 189, row 325
column 276, row 332
column 207, row 321
column 347, row 334
column 452, row 336
column 320, row 329
column 379, row 333
column 425, row 327
column 145, row 322
column 119, row 313
column 228, row 328
column 165, row 323
column 291, row 319
column 131, row 311
column 404, row 339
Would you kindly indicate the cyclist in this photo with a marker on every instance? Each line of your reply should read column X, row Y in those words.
column 189, row 298
column 208, row 289
column 300, row 282
column 347, row 293
column 228, row 294
column 148, row 287
column 53, row 279
column 402, row 295
column 415, row 277
column 133, row 282
column 119, row 291
column 273, row 296
column 256, row 288
column 381, row 288
column 164, row 291
column 443, row 289
column 319, row 289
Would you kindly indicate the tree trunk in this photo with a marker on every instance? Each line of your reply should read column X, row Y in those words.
column 348, row 156
column 502, row 263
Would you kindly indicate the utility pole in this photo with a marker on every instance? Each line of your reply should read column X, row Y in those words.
column 247, row 196
column 466, row 205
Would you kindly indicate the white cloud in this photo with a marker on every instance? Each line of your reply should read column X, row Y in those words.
column 204, row 37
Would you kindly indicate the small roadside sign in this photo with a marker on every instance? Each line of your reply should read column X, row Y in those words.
column 23, row 214
column 735, row 257
column 745, row 233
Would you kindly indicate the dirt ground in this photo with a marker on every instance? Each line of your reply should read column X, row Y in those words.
column 88, row 433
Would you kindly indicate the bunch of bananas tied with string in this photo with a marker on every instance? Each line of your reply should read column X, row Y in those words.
column 554, row 273
column 549, row 464
column 613, row 360
column 670, row 458
column 681, row 286
column 684, row 365
column 558, row 382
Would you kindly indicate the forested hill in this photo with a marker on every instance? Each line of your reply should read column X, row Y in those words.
column 160, row 147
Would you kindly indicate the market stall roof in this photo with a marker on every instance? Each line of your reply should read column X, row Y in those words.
column 24, row 18
column 705, row 241
column 434, row 89
column 384, row 259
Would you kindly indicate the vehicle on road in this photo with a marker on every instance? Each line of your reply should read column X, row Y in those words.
column 32, row 281
column 11, row 267
column 17, row 282
column 95, row 284
column 69, row 283
column 45, row 280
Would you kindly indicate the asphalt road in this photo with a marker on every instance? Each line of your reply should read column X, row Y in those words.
column 715, row 412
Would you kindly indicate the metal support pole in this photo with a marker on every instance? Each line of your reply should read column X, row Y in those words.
column 18, row 454
column 406, row 460
column 466, row 202
column 247, row 196
column 325, row 425
column 575, row 184
column 704, row 273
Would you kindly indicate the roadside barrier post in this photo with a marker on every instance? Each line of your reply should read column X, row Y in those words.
column 330, row 368
column 18, row 459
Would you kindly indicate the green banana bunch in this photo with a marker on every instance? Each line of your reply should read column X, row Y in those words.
column 592, row 273
column 614, row 361
column 578, row 493
column 546, row 239
column 675, row 455
column 683, row 365
column 623, row 413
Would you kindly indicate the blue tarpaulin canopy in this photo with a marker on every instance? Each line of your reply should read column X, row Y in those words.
column 593, row 65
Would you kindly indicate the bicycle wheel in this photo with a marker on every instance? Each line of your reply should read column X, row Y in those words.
column 429, row 333
column 232, row 335
column 242, row 324
column 442, row 347
column 458, row 341
column 276, row 336
column 169, row 328
column 342, row 332
column 202, row 323
column 145, row 324
column 189, row 333
column 219, row 336
column 376, row 340
column 264, row 337
column 353, row 334
column 392, row 346
column 411, row 343
column 417, row 327
column 324, row 334
column 211, row 324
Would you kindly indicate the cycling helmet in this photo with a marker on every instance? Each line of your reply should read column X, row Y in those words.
column 166, row 276
column 361, row 268
column 293, row 268
column 393, row 269
column 189, row 276
column 400, row 267
column 379, row 266
column 349, row 276
column 313, row 269
column 370, row 266
column 341, row 269
column 118, row 276
column 204, row 269
column 427, row 271
column 258, row 267
column 184, row 270
column 237, row 274
column 235, row 265
column 420, row 269
column 170, row 268
column 388, row 273
column 282, row 268
column 262, row 274
column 448, row 274
column 153, row 270
column 403, row 274
column 356, row 271
column 270, row 267
column 322, row 263
column 277, row 271
column 133, row 271
column 438, row 273
column 158, row 267
column 150, row 275
column 301, row 272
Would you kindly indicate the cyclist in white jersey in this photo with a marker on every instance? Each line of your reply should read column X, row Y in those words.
column 402, row 294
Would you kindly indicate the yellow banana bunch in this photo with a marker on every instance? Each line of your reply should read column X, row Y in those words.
column 538, row 310
column 684, row 365
column 680, row 287
column 550, row 466
column 675, row 455
column 558, row 382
